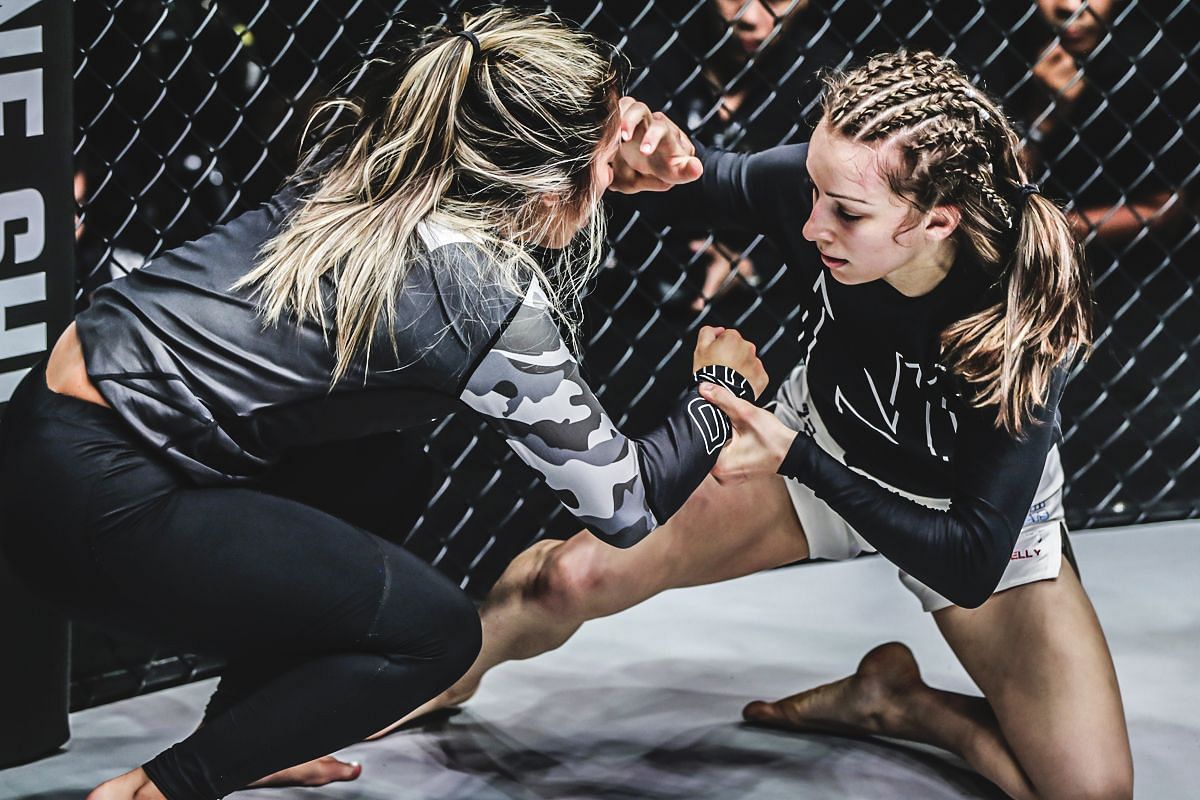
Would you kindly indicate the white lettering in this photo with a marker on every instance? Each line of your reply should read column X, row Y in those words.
column 24, row 204
column 21, row 42
column 27, row 86
column 10, row 8
column 9, row 381
column 26, row 339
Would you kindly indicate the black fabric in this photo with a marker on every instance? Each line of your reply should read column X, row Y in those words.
column 685, row 447
column 188, row 361
column 875, row 376
column 185, row 359
column 331, row 633
column 960, row 553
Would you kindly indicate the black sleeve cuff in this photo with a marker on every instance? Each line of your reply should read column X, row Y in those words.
column 798, row 461
column 731, row 379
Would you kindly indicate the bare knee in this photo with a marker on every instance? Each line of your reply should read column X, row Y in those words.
column 572, row 581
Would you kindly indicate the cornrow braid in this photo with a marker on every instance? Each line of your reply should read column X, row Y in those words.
column 956, row 147
column 904, row 109
column 968, row 150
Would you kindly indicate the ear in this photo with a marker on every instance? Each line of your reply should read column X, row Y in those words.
column 550, row 199
column 942, row 221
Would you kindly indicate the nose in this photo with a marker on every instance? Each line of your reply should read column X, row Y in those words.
column 815, row 228
column 756, row 19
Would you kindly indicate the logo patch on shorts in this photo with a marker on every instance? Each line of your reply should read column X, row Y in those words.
column 1037, row 513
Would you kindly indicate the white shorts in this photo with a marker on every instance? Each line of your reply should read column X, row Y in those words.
column 1037, row 555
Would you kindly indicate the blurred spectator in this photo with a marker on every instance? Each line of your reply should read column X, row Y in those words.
column 1132, row 126
column 737, row 74
column 742, row 77
column 1105, row 99
column 1109, row 108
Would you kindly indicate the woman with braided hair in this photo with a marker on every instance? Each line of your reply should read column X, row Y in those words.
column 391, row 281
column 947, row 303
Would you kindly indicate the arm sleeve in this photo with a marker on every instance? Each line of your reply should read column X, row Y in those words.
column 763, row 192
column 961, row 552
column 528, row 387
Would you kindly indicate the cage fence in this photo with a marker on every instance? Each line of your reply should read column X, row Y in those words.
column 189, row 113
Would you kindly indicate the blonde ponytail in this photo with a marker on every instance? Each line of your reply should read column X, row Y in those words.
column 471, row 142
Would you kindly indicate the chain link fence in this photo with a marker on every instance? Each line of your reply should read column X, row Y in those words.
column 189, row 113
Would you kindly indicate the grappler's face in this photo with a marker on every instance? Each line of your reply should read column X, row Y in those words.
column 572, row 218
column 864, row 230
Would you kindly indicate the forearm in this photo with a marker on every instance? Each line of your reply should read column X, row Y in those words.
column 677, row 455
column 758, row 193
column 960, row 553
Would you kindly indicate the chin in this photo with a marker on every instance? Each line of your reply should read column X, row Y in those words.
column 848, row 278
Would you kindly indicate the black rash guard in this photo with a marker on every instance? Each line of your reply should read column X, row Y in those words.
column 875, row 377
column 187, row 362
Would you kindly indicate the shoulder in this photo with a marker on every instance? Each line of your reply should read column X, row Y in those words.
column 461, row 276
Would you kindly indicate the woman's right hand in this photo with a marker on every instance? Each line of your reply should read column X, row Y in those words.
column 655, row 153
column 726, row 347
column 760, row 440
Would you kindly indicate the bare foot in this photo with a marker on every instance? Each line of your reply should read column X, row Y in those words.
column 876, row 699
column 453, row 697
column 317, row 772
column 133, row 785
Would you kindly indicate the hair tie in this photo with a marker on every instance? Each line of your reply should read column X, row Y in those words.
column 1030, row 188
column 474, row 40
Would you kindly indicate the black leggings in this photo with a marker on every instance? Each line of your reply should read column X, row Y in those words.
column 330, row 632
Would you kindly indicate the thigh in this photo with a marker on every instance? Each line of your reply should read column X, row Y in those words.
column 1038, row 654
column 238, row 572
column 721, row 532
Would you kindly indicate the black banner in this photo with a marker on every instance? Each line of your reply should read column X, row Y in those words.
column 36, row 200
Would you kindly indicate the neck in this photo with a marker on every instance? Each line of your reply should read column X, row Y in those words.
column 923, row 276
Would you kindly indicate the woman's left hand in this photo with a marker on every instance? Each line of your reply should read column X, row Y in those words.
column 760, row 441
column 654, row 154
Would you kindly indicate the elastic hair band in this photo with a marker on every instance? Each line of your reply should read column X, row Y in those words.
column 1026, row 189
column 474, row 40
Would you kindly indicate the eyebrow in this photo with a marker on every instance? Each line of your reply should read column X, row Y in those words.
column 844, row 197
column 831, row 194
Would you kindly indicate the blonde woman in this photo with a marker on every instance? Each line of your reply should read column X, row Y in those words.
column 391, row 281
column 947, row 302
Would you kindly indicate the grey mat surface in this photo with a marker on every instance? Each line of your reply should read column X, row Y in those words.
column 646, row 704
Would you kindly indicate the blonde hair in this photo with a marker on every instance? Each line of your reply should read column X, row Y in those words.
column 956, row 147
column 474, row 142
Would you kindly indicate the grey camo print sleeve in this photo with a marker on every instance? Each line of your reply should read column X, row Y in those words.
column 528, row 386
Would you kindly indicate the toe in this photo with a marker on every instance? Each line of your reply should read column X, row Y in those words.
column 762, row 712
column 331, row 770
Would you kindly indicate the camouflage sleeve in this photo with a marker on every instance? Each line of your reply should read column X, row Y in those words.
column 529, row 388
